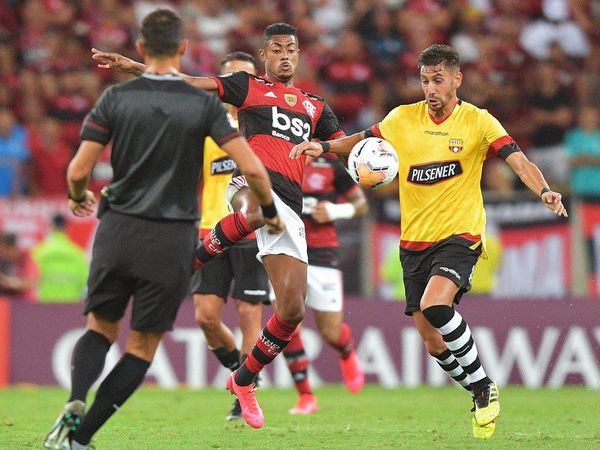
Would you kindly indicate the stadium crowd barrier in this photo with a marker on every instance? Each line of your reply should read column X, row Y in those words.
column 530, row 342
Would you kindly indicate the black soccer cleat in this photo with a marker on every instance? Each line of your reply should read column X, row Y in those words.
column 236, row 411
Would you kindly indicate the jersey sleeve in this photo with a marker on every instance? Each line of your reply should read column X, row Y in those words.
column 388, row 128
column 342, row 181
column 222, row 126
column 499, row 143
column 328, row 127
column 96, row 125
column 233, row 87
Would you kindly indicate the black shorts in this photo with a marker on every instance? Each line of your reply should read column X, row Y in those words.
column 237, row 270
column 148, row 260
column 451, row 259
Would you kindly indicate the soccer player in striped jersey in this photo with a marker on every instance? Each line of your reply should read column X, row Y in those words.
column 442, row 143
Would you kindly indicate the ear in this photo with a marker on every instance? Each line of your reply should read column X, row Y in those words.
column 261, row 54
column 139, row 46
column 458, row 79
column 183, row 46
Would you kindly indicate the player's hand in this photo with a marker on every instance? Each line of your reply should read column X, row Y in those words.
column 320, row 213
column 553, row 201
column 84, row 208
column 275, row 225
column 308, row 148
column 115, row 61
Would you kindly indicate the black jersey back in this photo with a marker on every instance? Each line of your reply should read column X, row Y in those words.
column 274, row 117
column 157, row 124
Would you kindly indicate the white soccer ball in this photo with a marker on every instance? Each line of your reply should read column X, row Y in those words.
column 373, row 163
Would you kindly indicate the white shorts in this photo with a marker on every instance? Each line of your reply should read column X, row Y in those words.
column 325, row 289
column 291, row 242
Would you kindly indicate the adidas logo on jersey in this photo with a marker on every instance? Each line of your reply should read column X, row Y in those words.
column 270, row 94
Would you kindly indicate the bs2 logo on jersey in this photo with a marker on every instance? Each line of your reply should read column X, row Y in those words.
column 299, row 128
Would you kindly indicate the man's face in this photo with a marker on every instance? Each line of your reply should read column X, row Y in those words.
column 439, row 85
column 237, row 65
column 280, row 55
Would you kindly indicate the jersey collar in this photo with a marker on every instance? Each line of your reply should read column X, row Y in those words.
column 162, row 76
column 443, row 119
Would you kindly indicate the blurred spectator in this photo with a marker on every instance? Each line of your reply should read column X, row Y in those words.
column 17, row 271
column 50, row 156
column 551, row 114
column 392, row 273
column 14, row 156
column 486, row 269
column 583, row 148
column 62, row 266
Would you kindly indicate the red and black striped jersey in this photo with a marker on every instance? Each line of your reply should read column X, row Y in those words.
column 325, row 179
column 273, row 118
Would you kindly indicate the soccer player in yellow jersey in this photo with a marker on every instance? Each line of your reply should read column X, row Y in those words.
column 442, row 143
column 237, row 270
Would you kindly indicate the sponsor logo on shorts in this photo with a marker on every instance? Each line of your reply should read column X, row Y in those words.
column 452, row 271
column 301, row 232
column 432, row 173
column 255, row 291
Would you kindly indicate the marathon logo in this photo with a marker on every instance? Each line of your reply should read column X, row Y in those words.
column 432, row 173
column 224, row 165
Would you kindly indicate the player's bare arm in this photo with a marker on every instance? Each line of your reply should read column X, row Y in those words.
column 326, row 211
column 257, row 178
column 81, row 199
column 340, row 147
column 120, row 63
column 529, row 173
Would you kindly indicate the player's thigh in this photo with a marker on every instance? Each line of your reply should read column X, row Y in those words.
column 325, row 289
column 214, row 278
column 250, row 281
column 163, row 272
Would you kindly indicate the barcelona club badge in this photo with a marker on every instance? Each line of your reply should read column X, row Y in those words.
column 455, row 145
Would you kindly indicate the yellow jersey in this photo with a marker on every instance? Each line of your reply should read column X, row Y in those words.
column 440, row 170
column 216, row 174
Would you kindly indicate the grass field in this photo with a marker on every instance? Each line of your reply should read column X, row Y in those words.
column 421, row 418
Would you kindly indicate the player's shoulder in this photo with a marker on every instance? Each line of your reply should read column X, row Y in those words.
column 311, row 96
column 408, row 110
column 473, row 110
column 255, row 79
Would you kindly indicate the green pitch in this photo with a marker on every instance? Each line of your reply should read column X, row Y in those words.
column 423, row 418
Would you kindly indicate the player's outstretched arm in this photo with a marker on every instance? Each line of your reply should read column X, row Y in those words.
column 120, row 63
column 340, row 147
column 258, row 180
column 529, row 173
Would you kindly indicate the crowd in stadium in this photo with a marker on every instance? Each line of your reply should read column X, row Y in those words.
column 532, row 63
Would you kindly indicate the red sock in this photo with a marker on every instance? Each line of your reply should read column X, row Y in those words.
column 228, row 231
column 297, row 362
column 273, row 339
column 344, row 344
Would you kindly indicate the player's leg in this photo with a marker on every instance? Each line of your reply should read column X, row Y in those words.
column 246, row 218
column 297, row 362
column 120, row 383
column 325, row 297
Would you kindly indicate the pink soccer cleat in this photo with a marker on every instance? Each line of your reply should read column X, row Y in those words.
column 306, row 405
column 352, row 373
column 251, row 411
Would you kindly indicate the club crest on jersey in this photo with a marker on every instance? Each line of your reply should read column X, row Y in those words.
column 290, row 99
column 310, row 108
column 455, row 145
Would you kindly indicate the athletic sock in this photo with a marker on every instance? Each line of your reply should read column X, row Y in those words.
column 297, row 362
column 229, row 230
column 87, row 363
column 344, row 344
column 116, row 388
column 450, row 365
column 457, row 336
column 273, row 339
column 228, row 358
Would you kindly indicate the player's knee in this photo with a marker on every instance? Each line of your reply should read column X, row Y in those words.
column 207, row 322
column 292, row 312
column 254, row 218
column 330, row 334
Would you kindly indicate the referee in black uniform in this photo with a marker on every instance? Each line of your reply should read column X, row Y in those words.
column 144, row 244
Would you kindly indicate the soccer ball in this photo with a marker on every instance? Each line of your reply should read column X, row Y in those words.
column 373, row 163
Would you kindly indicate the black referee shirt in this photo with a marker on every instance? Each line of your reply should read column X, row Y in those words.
column 157, row 124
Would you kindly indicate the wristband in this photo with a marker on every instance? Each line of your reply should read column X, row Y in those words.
column 544, row 190
column 326, row 146
column 269, row 211
column 340, row 210
column 78, row 200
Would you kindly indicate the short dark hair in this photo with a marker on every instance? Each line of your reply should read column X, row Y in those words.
column 237, row 56
column 276, row 29
column 438, row 53
column 162, row 32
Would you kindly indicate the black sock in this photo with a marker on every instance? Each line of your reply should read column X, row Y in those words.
column 229, row 359
column 87, row 363
column 244, row 376
column 116, row 388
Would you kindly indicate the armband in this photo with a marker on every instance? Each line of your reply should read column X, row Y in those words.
column 326, row 146
column 544, row 190
column 269, row 211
